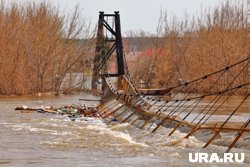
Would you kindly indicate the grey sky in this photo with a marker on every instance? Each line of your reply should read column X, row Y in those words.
column 135, row 14
column 138, row 14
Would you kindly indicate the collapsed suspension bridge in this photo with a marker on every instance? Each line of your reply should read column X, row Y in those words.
column 174, row 107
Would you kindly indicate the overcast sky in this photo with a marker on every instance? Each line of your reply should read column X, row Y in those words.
column 135, row 14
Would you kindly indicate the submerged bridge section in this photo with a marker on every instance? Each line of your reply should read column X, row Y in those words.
column 175, row 107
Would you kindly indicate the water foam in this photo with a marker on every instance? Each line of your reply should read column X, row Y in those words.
column 179, row 140
column 27, row 127
column 161, row 138
column 112, row 131
column 122, row 126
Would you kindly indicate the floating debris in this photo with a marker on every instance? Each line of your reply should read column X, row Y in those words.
column 74, row 113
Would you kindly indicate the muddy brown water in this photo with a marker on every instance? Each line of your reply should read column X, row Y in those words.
column 35, row 139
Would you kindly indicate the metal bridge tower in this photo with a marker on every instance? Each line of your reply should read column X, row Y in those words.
column 108, row 43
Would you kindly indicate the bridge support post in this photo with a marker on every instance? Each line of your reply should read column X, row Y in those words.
column 108, row 43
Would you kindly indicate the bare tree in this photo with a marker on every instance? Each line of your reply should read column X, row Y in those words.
column 40, row 47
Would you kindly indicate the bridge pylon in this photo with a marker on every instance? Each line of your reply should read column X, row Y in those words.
column 109, row 49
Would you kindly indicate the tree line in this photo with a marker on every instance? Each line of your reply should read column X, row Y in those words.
column 41, row 48
column 196, row 46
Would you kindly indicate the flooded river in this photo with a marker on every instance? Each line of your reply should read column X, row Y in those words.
column 36, row 139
